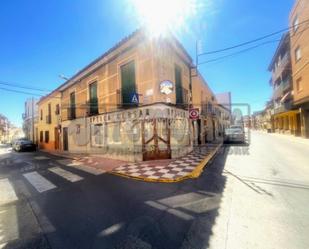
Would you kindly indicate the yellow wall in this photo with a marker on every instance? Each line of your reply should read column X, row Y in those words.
column 154, row 60
column 53, row 99
column 300, row 38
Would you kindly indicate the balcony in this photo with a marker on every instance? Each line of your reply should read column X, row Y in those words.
column 283, row 64
column 92, row 107
column 71, row 112
column 284, row 107
column 184, row 102
column 48, row 119
column 284, row 87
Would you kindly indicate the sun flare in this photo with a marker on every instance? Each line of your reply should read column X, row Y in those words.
column 160, row 16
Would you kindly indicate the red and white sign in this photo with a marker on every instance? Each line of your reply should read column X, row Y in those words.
column 194, row 113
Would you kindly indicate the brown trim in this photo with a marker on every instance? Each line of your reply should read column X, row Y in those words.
column 302, row 101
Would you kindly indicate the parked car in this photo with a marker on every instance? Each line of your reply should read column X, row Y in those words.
column 235, row 133
column 23, row 145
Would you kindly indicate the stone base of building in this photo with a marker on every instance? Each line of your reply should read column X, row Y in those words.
column 157, row 131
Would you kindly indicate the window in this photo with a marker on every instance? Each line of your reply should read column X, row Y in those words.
column 46, row 136
column 296, row 24
column 41, row 115
column 127, row 83
column 297, row 54
column 72, row 109
column 178, row 84
column 93, row 99
column 41, row 136
column 57, row 112
column 48, row 118
column 299, row 86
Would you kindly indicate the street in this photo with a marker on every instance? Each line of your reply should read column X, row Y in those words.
column 254, row 197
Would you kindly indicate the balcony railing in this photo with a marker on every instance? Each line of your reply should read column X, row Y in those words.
column 284, row 86
column 92, row 107
column 284, row 107
column 48, row 119
column 71, row 112
column 282, row 65
column 184, row 103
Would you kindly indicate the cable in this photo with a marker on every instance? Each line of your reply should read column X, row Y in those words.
column 239, row 52
column 24, row 87
column 17, row 91
column 247, row 49
column 254, row 40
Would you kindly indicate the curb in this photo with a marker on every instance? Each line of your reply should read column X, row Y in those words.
column 194, row 174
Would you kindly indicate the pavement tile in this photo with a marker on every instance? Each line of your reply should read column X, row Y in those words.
column 165, row 169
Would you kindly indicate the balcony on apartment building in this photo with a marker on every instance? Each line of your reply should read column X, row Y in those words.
column 283, row 106
column 284, row 87
column 284, row 63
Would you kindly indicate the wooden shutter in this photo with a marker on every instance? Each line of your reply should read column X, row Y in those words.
column 178, row 83
column 128, row 82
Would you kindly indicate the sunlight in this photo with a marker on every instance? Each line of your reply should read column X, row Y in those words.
column 160, row 16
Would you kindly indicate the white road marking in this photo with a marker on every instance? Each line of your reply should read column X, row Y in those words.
column 41, row 158
column 40, row 183
column 7, row 192
column 65, row 174
column 78, row 165
column 90, row 170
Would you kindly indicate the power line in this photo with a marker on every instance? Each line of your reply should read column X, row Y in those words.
column 239, row 52
column 254, row 40
column 23, row 86
column 247, row 49
column 17, row 91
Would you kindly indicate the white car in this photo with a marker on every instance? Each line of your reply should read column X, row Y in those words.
column 235, row 133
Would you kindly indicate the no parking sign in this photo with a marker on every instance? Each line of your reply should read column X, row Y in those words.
column 194, row 113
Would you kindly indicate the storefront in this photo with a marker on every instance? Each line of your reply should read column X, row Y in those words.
column 157, row 131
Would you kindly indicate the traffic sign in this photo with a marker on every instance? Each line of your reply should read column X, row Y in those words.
column 194, row 113
column 134, row 98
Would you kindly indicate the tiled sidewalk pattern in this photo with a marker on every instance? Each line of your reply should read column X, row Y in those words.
column 168, row 169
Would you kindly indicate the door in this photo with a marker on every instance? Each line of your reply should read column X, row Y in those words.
column 65, row 139
column 156, row 139
column 56, row 132
column 298, row 125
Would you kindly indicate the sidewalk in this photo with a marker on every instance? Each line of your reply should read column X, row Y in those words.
column 172, row 170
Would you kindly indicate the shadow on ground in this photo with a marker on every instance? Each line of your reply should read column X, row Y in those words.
column 111, row 212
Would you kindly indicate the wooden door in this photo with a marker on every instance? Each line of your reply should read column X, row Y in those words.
column 156, row 139
column 65, row 139
column 56, row 132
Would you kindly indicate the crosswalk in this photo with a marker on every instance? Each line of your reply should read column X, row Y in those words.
column 41, row 184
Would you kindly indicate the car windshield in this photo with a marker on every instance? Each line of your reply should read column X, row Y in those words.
column 233, row 130
column 25, row 142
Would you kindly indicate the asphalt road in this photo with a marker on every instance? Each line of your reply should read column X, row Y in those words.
column 248, row 197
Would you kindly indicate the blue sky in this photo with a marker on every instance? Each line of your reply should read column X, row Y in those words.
column 42, row 39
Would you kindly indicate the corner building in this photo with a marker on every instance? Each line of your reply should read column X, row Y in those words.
column 132, row 102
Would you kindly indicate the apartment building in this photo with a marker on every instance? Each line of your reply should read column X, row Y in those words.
column 48, row 130
column 299, row 48
column 285, row 117
column 132, row 103
column 30, row 119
